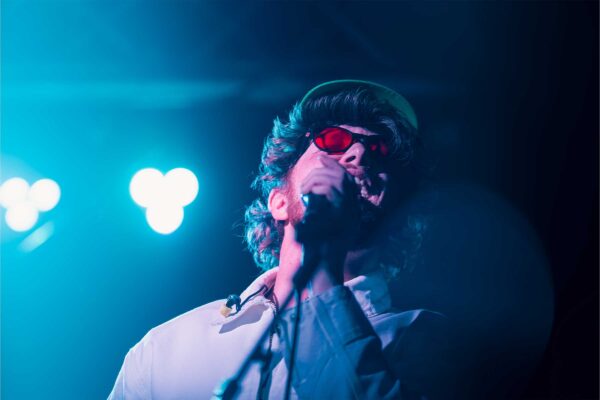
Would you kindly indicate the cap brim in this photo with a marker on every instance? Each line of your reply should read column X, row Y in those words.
column 394, row 98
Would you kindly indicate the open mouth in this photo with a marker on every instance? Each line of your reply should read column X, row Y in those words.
column 371, row 188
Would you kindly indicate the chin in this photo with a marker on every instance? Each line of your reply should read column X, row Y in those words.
column 371, row 218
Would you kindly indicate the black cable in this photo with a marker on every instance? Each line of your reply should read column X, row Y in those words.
column 288, row 383
column 239, row 304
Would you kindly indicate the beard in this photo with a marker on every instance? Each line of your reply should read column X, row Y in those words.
column 295, row 210
column 370, row 219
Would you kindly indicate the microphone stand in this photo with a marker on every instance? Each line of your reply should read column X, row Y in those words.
column 313, row 252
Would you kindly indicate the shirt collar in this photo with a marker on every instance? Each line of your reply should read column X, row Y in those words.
column 371, row 293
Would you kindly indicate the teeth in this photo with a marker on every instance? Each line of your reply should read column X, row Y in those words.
column 363, row 192
column 364, row 185
column 362, row 182
column 368, row 190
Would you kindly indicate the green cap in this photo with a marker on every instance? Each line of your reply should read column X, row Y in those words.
column 394, row 98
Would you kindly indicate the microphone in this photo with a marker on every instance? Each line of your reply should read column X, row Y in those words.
column 316, row 221
column 314, row 203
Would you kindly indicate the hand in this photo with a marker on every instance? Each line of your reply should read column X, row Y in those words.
column 337, row 186
column 334, row 226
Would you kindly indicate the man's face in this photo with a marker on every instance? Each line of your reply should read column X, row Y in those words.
column 368, row 174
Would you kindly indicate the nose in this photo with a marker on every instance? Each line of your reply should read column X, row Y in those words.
column 355, row 156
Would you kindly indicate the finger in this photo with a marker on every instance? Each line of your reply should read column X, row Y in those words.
column 308, row 188
column 332, row 194
column 325, row 177
column 337, row 176
column 330, row 162
column 321, row 180
column 327, row 171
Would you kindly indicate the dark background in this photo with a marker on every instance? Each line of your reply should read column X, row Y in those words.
column 506, row 95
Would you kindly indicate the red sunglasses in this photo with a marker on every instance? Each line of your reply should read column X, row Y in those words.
column 336, row 140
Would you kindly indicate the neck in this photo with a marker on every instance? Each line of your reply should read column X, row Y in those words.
column 290, row 260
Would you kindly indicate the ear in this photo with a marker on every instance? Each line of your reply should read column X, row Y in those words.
column 278, row 205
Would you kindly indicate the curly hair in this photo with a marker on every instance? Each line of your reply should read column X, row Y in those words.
column 287, row 142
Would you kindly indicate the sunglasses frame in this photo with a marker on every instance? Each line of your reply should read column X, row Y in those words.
column 366, row 140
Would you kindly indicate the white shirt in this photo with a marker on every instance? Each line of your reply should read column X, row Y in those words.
column 188, row 356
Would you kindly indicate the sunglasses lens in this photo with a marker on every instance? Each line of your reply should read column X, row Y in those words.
column 333, row 140
column 380, row 147
column 337, row 140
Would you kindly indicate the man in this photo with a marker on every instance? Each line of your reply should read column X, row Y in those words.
column 343, row 154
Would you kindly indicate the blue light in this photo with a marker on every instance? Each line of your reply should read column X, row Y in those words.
column 37, row 238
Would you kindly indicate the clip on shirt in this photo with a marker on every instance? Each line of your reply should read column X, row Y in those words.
column 235, row 300
column 232, row 299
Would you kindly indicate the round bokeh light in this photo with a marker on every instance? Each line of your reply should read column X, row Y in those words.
column 146, row 186
column 45, row 194
column 21, row 217
column 181, row 186
column 14, row 191
column 164, row 219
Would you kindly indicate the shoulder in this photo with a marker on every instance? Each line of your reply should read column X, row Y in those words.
column 421, row 325
column 197, row 318
column 177, row 331
column 162, row 350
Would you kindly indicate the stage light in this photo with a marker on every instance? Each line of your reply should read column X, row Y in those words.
column 21, row 217
column 14, row 191
column 181, row 186
column 164, row 196
column 44, row 194
column 146, row 186
column 164, row 218
column 24, row 203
